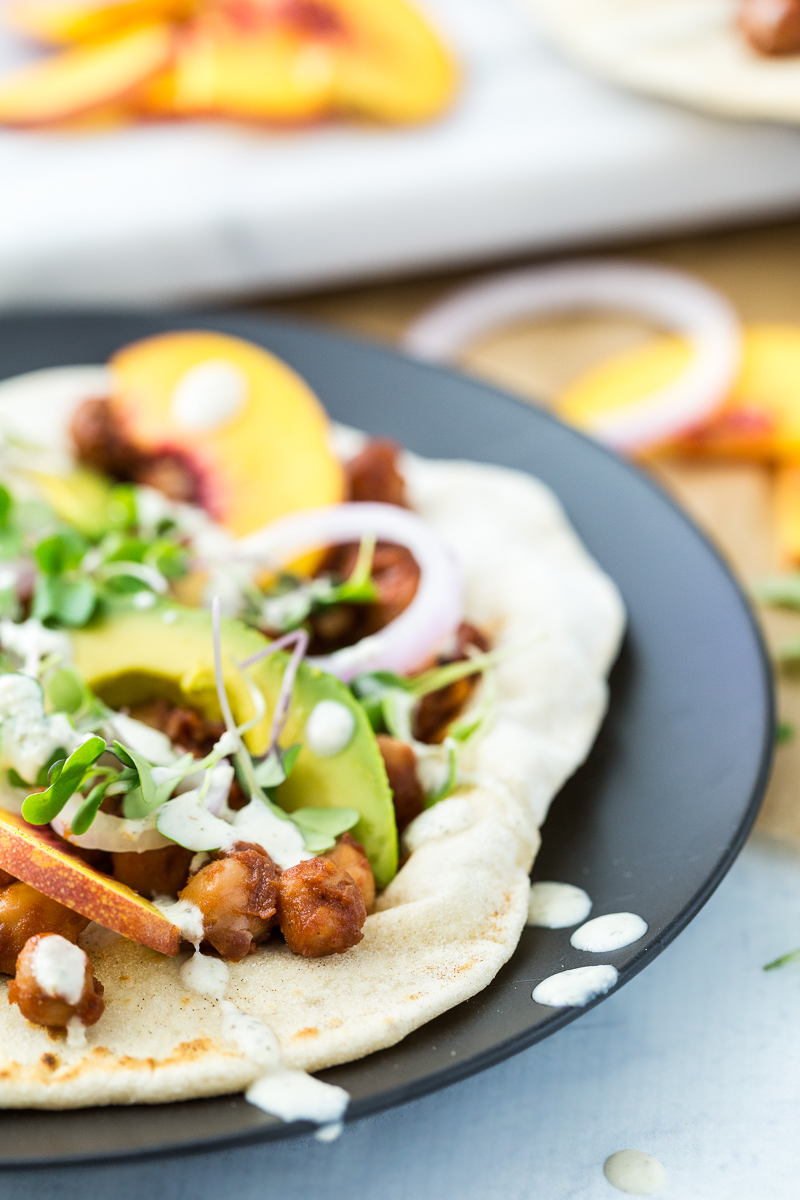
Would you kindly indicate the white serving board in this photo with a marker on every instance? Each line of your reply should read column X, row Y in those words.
column 533, row 157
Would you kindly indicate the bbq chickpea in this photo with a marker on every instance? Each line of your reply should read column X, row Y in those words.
column 320, row 909
column 349, row 855
column 25, row 912
column 55, row 983
column 237, row 895
column 152, row 873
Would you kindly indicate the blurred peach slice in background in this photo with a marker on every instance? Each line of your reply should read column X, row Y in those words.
column 59, row 22
column 78, row 80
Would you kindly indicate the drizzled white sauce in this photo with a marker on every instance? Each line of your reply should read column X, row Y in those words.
column 573, row 989
column 150, row 743
column 445, row 818
column 206, row 976
column 634, row 1172
column 610, row 932
column 209, row 395
column 329, row 728
column 296, row 1096
column 250, row 1036
column 29, row 736
column 76, row 1034
column 557, row 905
column 185, row 915
column 281, row 839
column 285, row 1093
column 31, row 641
column 59, row 968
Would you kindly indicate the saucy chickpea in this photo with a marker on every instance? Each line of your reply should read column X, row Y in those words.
column 55, row 983
column 349, row 855
column 238, row 897
column 25, row 912
column 154, row 872
column 321, row 911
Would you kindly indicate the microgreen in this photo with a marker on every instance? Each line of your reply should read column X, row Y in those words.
column 784, row 732
column 781, row 590
column 65, row 778
column 783, row 961
column 321, row 827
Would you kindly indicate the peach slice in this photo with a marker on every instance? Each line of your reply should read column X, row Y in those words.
column 391, row 66
column 761, row 418
column 251, row 429
column 34, row 855
column 60, row 21
column 264, row 74
column 68, row 84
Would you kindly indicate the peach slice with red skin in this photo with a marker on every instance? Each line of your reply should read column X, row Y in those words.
column 267, row 455
column 76, row 81
column 391, row 66
column 262, row 74
column 60, row 22
column 36, row 856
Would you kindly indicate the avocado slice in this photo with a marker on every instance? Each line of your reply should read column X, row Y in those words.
column 167, row 651
column 80, row 498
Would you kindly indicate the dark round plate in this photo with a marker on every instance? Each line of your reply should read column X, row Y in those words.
column 652, row 821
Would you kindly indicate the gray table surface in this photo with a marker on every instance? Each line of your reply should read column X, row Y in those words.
column 697, row 1061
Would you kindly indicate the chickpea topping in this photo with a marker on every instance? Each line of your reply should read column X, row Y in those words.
column 154, row 872
column 349, row 855
column 401, row 768
column 45, row 1008
column 771, row 26
column 321, row 911
column 237, row 895
column 24, row 913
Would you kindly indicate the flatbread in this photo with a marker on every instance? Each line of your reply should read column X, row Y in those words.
column 453, row 914
column 687, row 51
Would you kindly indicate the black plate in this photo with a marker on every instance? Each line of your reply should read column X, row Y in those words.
column 650, row 823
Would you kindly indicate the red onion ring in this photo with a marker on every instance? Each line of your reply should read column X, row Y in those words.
column 676, row 301
column 431, row 617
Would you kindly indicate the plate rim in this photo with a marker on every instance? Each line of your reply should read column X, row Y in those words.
column 482, row 1060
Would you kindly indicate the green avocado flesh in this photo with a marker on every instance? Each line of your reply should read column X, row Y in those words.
column 134, row 657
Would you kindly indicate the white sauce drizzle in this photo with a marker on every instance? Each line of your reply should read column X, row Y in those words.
column 31, row 641
column 281, row 839
column 635, row 1172
column 289, row 1094
column 76, row 1034
column 445, row 818
column 557, row 905
column 329, row 1133
column 150, row 743
column 573, row 989
column 329, row 728
column 59, row 968
column 209, row 395
column 29, row 736
column 297, row 1096
column 611, row 932
column 185, row 915
column 206, row 976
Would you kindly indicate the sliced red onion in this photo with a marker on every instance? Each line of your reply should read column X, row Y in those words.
column 675, row 300
column 298, row 638
column 114, row 834
column 433, row 614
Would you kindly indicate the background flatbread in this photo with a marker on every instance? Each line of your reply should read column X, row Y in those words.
column 453, row 914
column 688, row 51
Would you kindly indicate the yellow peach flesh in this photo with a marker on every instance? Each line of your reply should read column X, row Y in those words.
column 68, row 84
column 268, row 458
column 34, row 856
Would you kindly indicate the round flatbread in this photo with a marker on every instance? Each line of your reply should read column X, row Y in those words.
column 688, row 51
column 454, row 913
